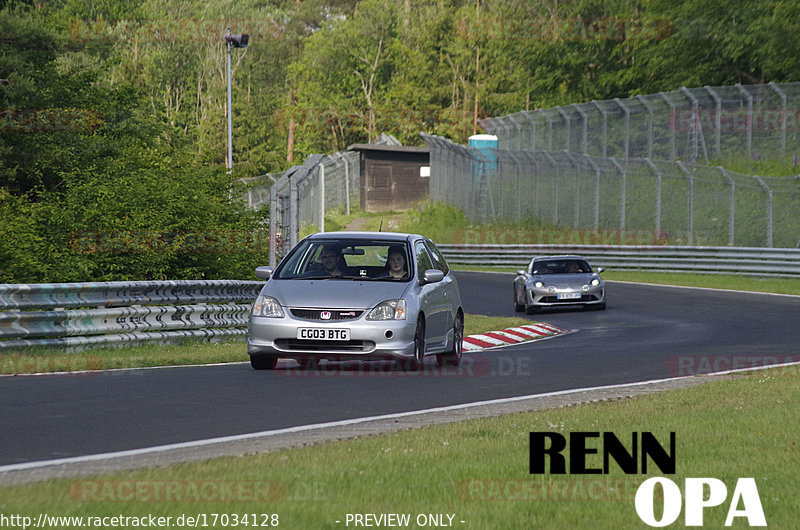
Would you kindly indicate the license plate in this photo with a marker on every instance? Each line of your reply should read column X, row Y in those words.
column 569, row 296
column 323, row 333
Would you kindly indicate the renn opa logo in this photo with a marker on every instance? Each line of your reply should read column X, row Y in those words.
column 547, row 447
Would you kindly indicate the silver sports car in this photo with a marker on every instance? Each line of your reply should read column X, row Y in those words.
column 357, row 295
column 558, row 280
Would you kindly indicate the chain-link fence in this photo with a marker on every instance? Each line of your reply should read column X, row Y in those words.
column 756, row 121
column 299, row 198
column 678, row 203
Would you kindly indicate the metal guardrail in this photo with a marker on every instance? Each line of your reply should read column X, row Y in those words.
column 711, row 260
column 113, row 313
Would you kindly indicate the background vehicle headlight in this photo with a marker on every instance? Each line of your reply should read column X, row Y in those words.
column 595, row 282
column 538, row 285
column 267, row 306
column 389, row 310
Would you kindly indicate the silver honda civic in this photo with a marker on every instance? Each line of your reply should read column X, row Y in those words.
column 357, row 295
column 558, row 280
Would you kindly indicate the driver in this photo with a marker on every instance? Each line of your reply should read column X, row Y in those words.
column 332, row 260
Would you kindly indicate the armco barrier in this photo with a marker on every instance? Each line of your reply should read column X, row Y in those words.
column 108, row 313
column 712, row 260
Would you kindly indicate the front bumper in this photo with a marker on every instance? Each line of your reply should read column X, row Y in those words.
column 556, row 296
column 369, row 340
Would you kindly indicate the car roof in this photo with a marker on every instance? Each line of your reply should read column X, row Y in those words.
column 386, row 236
column 564, row 256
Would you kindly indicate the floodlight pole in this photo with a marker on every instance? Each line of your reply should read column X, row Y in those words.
column 228, row 45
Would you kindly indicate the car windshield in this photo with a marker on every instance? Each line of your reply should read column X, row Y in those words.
column 340, row 259
column 561, row 266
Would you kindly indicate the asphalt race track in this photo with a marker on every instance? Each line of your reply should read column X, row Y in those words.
column 647, row 333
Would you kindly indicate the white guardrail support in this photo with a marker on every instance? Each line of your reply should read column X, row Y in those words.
column 711, row 260
column 79, row 315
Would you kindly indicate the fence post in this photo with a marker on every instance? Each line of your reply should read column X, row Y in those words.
column 717, row 120
column 782, row 95
column 567, row 127
column 273, row 225
column 697, row 128
column 749, row 98
column 627, row 112
column 556, row 180
column 585, row 119
column 658, row 195
column 769, row 208
column 624, row 190
column 690, row 199
column 605, row 127
column 674, row 122
column 650, row 118
column 731, row 212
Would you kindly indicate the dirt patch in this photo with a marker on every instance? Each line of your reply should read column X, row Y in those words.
column 391, row 223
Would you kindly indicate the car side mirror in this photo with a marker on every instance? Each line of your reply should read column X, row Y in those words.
column 263, row 273
column 432, row 276
column 521, row 272
column 600, row 269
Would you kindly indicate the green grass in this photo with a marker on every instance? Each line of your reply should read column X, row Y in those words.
column 735, row 282
column 187, row 352
column 477, row 469
column 773, row 165
column 714, row 281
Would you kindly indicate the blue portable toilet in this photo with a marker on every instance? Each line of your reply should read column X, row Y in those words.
column 484, row 143
column 483, row 140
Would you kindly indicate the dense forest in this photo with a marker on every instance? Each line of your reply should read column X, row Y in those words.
column 113, row 127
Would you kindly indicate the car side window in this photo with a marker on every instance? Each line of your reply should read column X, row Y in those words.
column 423, row 258
column 438, row 258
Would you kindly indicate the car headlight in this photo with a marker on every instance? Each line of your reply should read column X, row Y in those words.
column 538, row 285
column 267, row 306
column 595, row 282
column 389, row 310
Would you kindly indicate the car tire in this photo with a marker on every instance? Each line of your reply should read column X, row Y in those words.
column 415, row 363
column 517, row 306
column 263, row 362
column 453, row 358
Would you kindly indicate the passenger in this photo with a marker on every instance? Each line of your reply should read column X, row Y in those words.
column 396, row 268
column 573, row 267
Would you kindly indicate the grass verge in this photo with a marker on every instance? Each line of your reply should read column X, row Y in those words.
column 475, row 470
column 188, row 352
column 713, row 281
